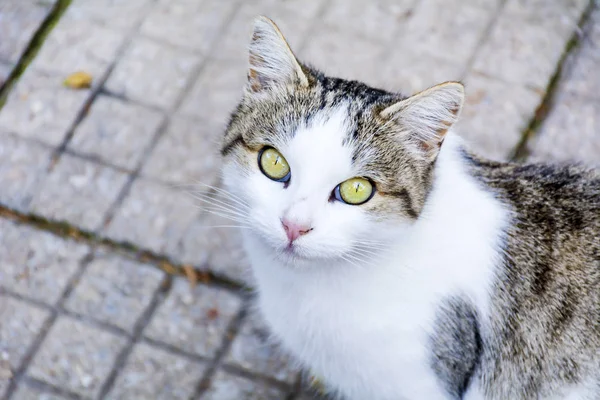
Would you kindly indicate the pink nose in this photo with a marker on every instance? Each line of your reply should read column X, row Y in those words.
column 294, row 230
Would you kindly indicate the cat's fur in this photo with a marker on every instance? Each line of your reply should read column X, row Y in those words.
column 460, row 278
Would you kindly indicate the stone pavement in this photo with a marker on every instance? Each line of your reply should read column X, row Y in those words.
column 98, row 224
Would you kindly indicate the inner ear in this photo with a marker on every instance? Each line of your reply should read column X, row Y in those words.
column 272, row 62
column 426, row 117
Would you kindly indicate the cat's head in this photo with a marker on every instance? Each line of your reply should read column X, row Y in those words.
column 325, row 168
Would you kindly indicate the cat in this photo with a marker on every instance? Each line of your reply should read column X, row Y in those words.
column 394, row 263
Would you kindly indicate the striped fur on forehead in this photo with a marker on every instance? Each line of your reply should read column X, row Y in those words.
column 378, row 152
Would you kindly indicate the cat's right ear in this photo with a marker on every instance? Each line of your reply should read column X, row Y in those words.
column 272, row 62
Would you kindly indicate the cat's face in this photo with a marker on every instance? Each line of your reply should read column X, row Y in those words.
column 327, row 169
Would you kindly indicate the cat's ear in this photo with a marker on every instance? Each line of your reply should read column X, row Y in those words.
column 272, row 62
column 426, row 116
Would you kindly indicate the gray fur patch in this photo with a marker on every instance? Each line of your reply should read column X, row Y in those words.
column 455, row 344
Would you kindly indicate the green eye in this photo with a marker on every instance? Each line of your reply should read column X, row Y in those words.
column 273, row 165
column 354, row 191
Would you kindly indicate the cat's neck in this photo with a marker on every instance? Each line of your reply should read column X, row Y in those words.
column 455, row 242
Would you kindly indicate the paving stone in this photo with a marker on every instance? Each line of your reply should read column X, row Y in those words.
column 225, row 386
column 213, row 241
column 188, row 24
column 116, row 14
column 116, row 132
column 78, row 191
column 408, row 71
column 40, row 107
column 216, row 92
column 293, row 17
column 524, row 50
column 568, row 10
column 152, row 73
column 582, row 76
column 115, row 290
column 194, row 320
column 23, row 166
column 252, row 350
column 20, row 325
column 378, row 20
column 5, row 70
column 76, row 356
column 152, row 373
column 153, row 216
column 187, row 153
column 19, row 20
column 26, row 392
column 446, row 29
column 571, row 133
column 495, row 115
column 78, row 44
column 343, row 54
column 37, row 264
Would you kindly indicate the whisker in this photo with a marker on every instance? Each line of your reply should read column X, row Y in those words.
column 208, row 198
column 225, row 192
column 224, row 208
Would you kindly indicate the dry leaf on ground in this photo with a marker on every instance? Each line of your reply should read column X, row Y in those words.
column 78, row 80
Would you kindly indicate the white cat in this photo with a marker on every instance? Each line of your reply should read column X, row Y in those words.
column 379, row 246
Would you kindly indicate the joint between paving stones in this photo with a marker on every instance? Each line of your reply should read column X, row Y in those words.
column 157, row 297
column 521, row 151
column 64, row 230
column 484, row 36
column 55, row 311
column 230, row 334
column 32, row 48
column 162, row 126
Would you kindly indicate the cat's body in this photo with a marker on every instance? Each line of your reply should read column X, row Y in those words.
column 455, row 278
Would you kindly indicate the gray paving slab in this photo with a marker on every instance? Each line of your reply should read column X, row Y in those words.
column 225, row 386
column 23, row 166
column 19, row 327
column 28, row 392
column 495, row 114
column 571, row 133
column 5, row 70
column 153, row 216
column 567, row 10
column 215, row 242
column 582, row 76
column 378, row 20
column 115, row 290
column 450, row 30
column 188, row 153
column 152, row 73
column 343, row 54
column 409, row 71
column 117, row 132
column 78, row 44
column 116, row 14
column 253, row 350
column 216, row 92
column 40, row 107
column 192, row 25
column 19, row 20
column 78, row 191
column 76, row 356
column 153, row 373
column 294, row 18
column 194, row 320
column 37, row 264
column 524, row 47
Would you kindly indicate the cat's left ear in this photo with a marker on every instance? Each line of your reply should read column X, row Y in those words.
column 426, row 117
column 272, row 62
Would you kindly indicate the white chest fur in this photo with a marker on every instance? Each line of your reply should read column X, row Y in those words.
column 365, row 330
